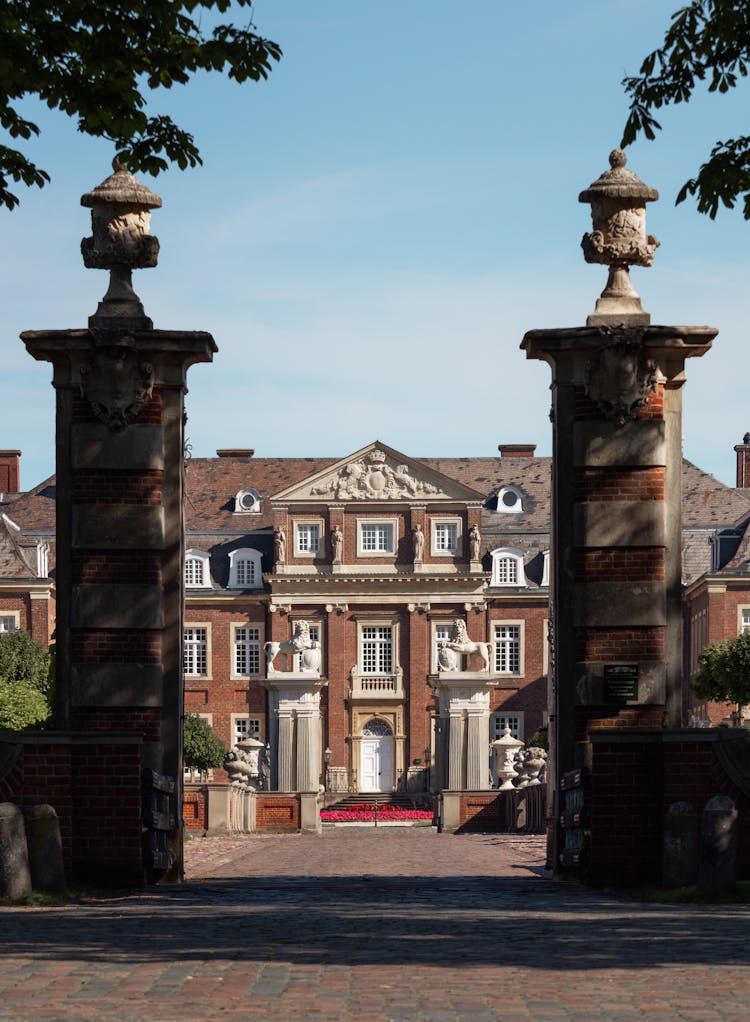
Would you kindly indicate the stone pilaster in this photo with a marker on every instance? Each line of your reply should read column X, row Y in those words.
column 464, row 707
column 296, row 731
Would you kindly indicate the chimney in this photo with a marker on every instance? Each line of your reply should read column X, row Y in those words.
column 516, row 450
column 10, row 471
column 743, row 461
column 235, row 452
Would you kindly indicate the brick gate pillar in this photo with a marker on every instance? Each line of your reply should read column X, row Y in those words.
column 120, row 389
column 616, row 494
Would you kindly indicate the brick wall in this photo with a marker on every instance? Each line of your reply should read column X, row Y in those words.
column 277, row 812
column 195, row 807
column 636, row 776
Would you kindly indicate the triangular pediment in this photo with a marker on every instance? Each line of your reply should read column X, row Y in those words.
column 381, row 474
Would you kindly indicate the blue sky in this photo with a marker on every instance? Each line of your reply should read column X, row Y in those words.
column 377, row 225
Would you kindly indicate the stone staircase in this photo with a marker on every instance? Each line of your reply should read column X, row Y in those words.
column 417, row 800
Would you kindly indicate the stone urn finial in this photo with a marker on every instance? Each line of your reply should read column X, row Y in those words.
column 618, row 212
column 120, row 214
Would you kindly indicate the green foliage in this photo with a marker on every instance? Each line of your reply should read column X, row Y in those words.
column 26, row 683
column 540, row 739
column 724, row 671
column 708, row 42
column 93, row 61
column 202, row 750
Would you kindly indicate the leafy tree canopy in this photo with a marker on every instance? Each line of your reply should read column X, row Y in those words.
column 25, row 682
column 724, row 671
column 707, row 42
column 202, row 750
column 94, row 61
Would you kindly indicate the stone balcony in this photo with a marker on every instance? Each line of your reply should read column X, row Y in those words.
column 377, row 686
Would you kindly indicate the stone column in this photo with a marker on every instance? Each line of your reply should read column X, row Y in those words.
column 456, row 772
column 617, row 461
column 308, row 749
column 120, row 389
column 477, row 746
column 285, row 771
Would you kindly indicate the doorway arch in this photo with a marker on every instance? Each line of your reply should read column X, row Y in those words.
column 377, row 757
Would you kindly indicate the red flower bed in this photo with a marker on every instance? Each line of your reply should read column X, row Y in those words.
column 366, row 813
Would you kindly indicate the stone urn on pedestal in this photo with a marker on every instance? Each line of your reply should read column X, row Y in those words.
column 504, row 750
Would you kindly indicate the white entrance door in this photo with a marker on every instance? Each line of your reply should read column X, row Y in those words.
column 376, row 763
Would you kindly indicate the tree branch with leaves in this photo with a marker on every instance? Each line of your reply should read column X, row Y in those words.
column 95, row 62
column 707, row 43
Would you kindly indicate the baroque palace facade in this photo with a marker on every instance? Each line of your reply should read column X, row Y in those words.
column 389, row 568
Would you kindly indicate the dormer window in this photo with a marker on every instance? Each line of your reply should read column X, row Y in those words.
column 197, row 571
column 507, row 567
column 244, row 569
column 545, row 568
column 247, row 502
column 510, row 501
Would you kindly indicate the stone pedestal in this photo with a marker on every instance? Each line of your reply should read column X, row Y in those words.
column 464, row 708
column 295, row 732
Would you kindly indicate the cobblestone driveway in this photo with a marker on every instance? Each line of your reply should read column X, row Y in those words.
column 368, row 926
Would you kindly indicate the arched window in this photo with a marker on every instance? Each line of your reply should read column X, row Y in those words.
column 510, row 501
column 507, row 567
column 244, row 569
column 197, row 571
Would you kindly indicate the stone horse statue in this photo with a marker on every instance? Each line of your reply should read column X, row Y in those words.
column 301, row 643
column 461, row 643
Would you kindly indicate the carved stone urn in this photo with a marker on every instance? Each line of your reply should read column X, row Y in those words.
column 618, row 212
column 120, row 242
column 504, row 750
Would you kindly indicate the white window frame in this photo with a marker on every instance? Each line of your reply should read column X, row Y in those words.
column 193, row 626
column 513, row 509
column 245, row 554
column 362, row 639
column 743, row 619
column 497, row 640
column 255, row 731
column 545, row 568
column 509, row 554
column 199, row 556
column 10, row 615
column 235, row 642
column 385, row 523
column 498, row 720
column 305, row 524
column 435, row 524
column 241, row 499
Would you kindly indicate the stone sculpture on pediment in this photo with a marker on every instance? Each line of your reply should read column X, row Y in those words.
column 417, row 542
column 475, row 541
column 372, row 478
column 279, row 546
column 337, row 544
column 619, row 379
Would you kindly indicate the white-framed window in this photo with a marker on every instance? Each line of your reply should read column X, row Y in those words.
column 307, row 537
column 508, row 648
column 247, row 502
column 10, row 621
column 743, row 622
column 197, row 571
column 446, row 536
column 316, row 635
column 196, row 651
column 245, row 569
column 510, row 501
column 376, row 538
column 545, row 568
column 507, row 567
column 245, row 727
column 376, row 649
column 245, row 651
column 501, row 719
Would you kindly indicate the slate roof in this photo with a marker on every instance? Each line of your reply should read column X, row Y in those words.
column 213, row 525
column 18, row 558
